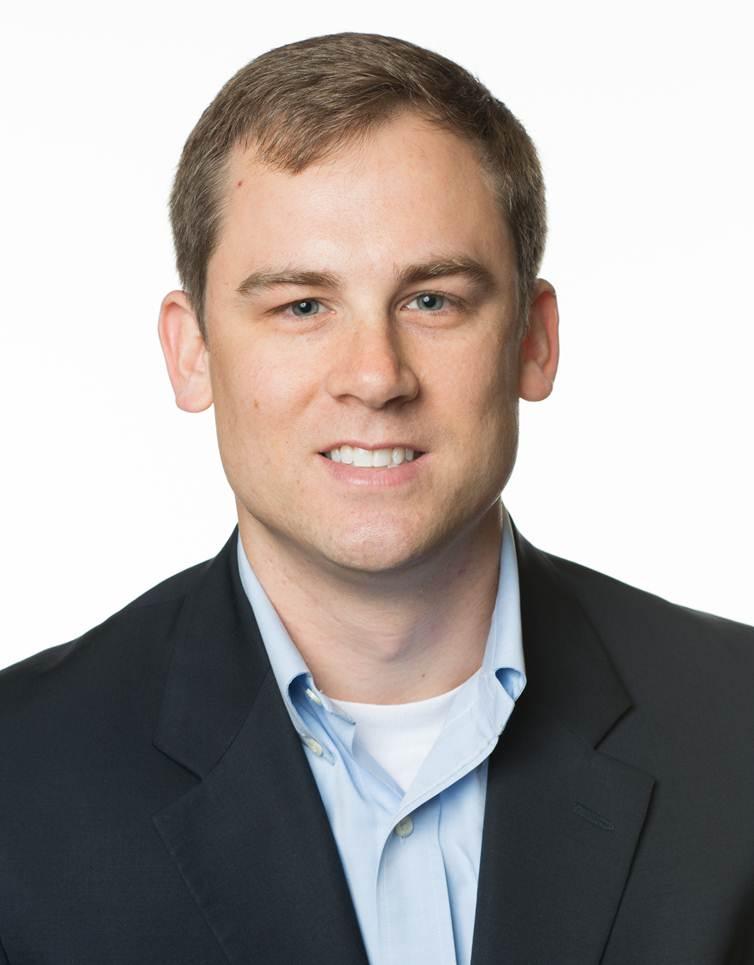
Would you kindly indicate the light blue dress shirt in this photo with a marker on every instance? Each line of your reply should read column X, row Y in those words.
column 411, row 858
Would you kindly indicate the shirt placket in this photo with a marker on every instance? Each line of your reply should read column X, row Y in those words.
column 412, row 894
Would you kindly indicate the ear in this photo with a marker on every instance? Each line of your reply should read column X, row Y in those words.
column 540, row 349
column 185, row 352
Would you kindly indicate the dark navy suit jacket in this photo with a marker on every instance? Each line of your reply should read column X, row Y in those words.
column 156, row 806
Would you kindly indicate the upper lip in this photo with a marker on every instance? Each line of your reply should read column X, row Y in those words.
column 370, row 446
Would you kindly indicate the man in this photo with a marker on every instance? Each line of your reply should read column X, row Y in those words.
column 380, row 725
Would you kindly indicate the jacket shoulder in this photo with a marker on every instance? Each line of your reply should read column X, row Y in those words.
column 644, row 631
column 597, row 586
column 102, row 652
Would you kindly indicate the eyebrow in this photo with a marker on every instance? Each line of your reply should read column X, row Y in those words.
column 481, row 277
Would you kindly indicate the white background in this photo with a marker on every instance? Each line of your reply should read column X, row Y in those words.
column 639, row 465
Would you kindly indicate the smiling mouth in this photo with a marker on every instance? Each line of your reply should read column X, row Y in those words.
column 389, row 458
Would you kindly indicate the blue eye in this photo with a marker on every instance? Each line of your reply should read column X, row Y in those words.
column 304, row 304
column 429, row 301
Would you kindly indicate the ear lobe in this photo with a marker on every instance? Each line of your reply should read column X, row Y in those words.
column 185, row 352
column 540, row 349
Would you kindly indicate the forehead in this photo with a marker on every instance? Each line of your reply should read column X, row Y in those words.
column 406, row 187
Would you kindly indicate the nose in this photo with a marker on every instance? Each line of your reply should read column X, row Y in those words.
column 372, row 365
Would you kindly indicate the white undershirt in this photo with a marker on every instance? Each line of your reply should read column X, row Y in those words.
column 399, row 736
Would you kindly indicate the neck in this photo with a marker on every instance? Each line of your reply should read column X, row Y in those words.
column 392, row 638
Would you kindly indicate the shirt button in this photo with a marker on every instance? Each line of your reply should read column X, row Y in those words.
column 312, row 696
column 404, row 828
column 314, row 746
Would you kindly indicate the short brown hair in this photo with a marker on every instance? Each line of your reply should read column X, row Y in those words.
column 302, row 101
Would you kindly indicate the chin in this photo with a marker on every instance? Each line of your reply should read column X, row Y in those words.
column 375, row 554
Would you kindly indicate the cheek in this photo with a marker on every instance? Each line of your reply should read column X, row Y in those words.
column 238, row 379
column 495, row 395
column 489, row 380
column 237, row 402
column 257, row 397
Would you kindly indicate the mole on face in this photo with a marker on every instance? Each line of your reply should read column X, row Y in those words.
column 239, row 183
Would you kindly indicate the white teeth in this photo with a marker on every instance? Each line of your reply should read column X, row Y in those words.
column 371, row 458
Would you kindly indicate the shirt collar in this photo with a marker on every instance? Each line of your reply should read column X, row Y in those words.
column 503, row 654
column 504, row 651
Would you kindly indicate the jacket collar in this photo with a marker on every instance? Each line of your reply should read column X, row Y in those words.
column 570, row 671
column 218, row 666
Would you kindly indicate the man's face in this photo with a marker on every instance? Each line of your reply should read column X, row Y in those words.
column 365, row 355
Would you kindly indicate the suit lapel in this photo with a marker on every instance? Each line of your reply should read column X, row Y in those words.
column 252, row 840
column 562, row 820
